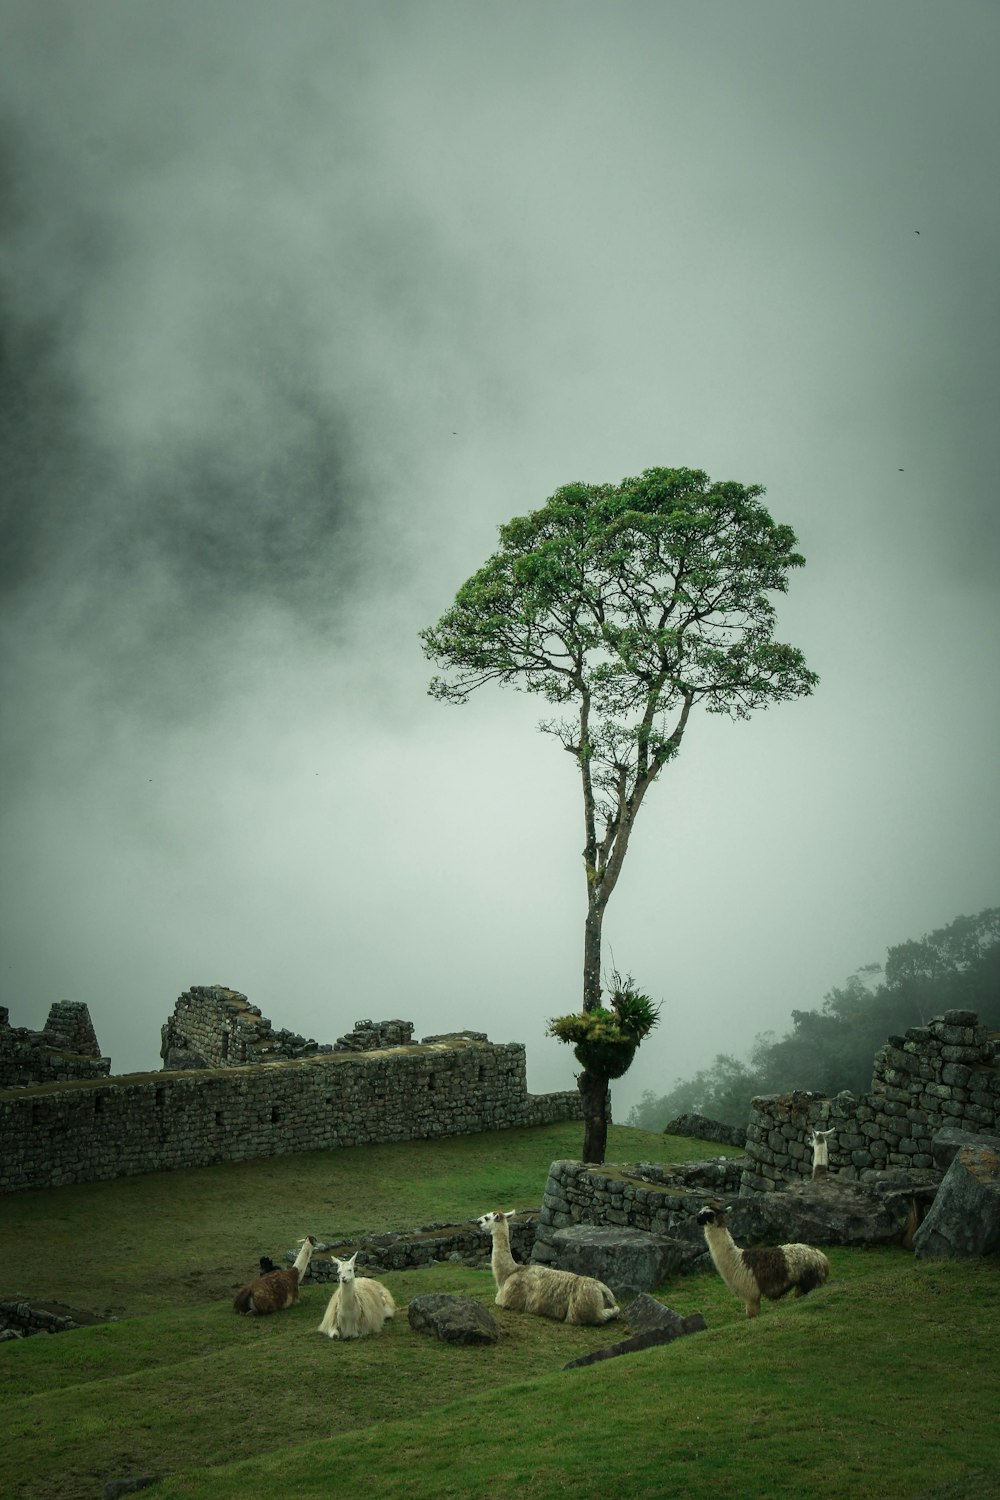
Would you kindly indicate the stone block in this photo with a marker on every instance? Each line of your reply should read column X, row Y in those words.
column 964, row 1219
column 626, row 1260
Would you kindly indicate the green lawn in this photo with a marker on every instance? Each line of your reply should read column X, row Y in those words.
column 882, row 1383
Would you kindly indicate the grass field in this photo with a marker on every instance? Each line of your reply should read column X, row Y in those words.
column 884, row 1382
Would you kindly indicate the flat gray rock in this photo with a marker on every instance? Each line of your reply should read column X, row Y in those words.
column 626, row 1260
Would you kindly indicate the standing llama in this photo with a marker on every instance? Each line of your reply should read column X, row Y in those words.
column 358, row 1307
column 769, row 1273
column 821, row 1153
column 275, row 1290
column 544, row 1290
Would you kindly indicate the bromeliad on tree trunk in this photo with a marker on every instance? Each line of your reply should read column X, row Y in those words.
column 627, row 605
column 605, row 1042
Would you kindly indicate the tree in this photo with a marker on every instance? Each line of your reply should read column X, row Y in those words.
column 626, row 606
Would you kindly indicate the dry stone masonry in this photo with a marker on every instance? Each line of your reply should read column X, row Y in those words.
column 216, row 1027
column 65, row 1048
column 238, row 1089
column 946, row 1073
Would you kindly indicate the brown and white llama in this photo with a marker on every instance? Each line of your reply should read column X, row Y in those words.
column 769, row 1272
column 275, row 1290
column 358, row 1307
column 544, row 1290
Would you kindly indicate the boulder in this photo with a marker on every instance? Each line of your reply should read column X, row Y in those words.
column 828, row 1212
column 453, row 1320
column 964, row 1219
column 645, row 1314
column 626, row 1260
column 946, row 1142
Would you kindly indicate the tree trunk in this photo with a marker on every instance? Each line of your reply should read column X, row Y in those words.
column 594, row 1093
column 592, row 958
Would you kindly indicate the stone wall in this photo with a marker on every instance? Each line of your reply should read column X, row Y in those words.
column 643, row 1195
column 136, row 1122
column 66, row 1048
column 944, row 1073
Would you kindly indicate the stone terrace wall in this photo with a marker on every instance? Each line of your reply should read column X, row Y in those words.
column 645, row 1195
column 944, row 1073
column 66, row 1048
column 136, row 1122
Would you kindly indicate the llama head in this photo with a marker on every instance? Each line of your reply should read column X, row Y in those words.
column 345, row 1268
column 487, row 1221
column 716, row 1216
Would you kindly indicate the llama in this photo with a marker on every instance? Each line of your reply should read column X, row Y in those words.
column 358, row 1307
column 821, row 1153
column 769, row 1273
column 275, row 1290
column 544, row 1290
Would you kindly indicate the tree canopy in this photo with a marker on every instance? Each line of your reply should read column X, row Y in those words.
column 626, row 606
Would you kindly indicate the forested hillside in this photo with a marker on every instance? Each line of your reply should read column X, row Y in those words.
column 830, row 1049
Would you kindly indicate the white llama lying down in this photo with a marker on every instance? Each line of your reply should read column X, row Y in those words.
column 769, row 1273
column 358, row 1307
column 543, row 1289
column 274, row 1290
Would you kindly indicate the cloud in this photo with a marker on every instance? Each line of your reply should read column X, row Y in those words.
column 298, row 305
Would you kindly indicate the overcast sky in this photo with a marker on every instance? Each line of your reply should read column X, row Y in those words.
column 300, row 302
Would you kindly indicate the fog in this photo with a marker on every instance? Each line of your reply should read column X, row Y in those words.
column 300, row 303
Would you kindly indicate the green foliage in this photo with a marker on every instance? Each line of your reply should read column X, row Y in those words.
column 634, row 602
column 831, row 1049
column 605, row 1041
column 654, row 590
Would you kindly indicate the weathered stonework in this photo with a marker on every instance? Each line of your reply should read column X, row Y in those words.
column 943, row 1074
column 213, row 1026
column 150, row 1122
column 660, row 1200
column 64, row 1049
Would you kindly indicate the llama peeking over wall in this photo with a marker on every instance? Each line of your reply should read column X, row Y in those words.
column 821, row 1153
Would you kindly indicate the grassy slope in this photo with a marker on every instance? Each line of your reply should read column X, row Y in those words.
column 882, row 1383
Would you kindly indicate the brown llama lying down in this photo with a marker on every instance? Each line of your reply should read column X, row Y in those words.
column 275, row 1290
column 769, row 1273
column 543, row 1289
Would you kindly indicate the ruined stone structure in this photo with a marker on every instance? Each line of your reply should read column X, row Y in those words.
column 215, row 1027
column 944, row 1073
column 151, row 1122
column 65, row 1048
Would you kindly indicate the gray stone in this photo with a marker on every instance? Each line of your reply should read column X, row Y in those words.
column 644, row 1314
column 694, row 1323
column 700, row 1128
column 948, row 1141
column 964, row 1219
column 828, row 1212
column 626, row 1260
column 453, row 1320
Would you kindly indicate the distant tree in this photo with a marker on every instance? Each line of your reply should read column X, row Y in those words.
column 833, row 1048
column 628, row 606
